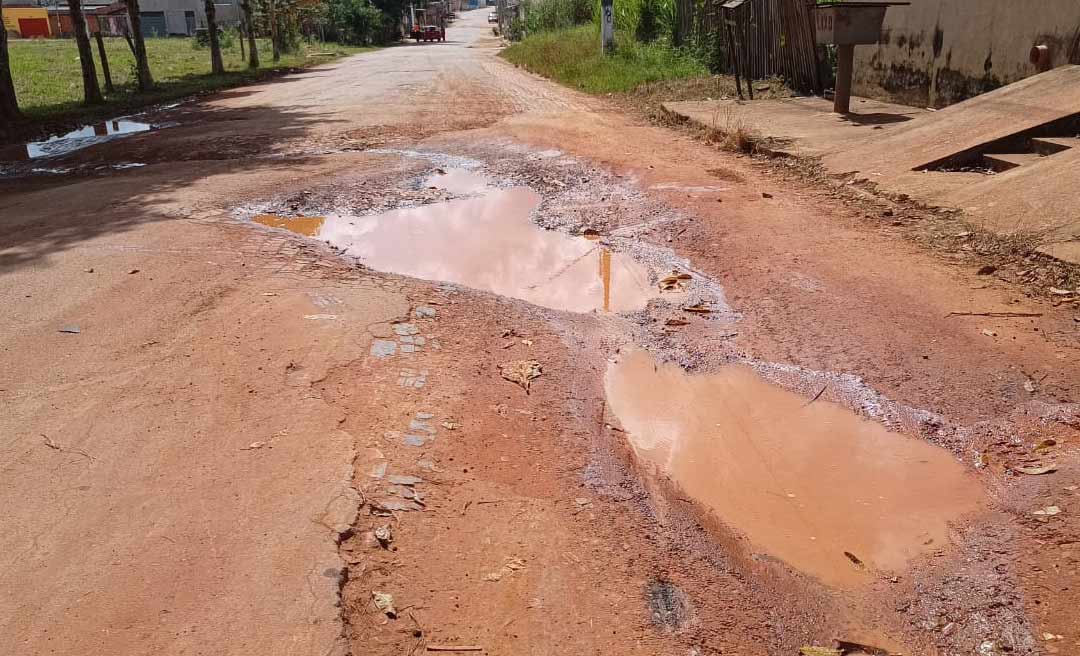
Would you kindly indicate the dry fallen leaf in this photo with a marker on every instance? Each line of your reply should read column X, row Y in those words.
column 522, row 372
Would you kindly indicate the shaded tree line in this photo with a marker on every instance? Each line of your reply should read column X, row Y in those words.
column 279, row 18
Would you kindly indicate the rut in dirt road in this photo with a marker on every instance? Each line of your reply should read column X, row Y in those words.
column 750, row 426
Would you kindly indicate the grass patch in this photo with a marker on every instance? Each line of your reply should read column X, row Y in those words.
column 48, row 79
column 572, row 57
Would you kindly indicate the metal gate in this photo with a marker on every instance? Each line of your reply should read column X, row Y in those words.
column 153, row 23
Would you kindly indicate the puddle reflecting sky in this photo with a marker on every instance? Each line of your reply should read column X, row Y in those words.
column 487, row 242
column 72, row 141
column 804, row 483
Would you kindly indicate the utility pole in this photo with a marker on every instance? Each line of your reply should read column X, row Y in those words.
column 607, row 26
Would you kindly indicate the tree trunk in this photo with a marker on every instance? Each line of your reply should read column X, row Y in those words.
column 274, row 32
column 142, row 65
column 216, row 65
column 249, row 19
column 104, row 57
column 91, row 90
column 9, row 106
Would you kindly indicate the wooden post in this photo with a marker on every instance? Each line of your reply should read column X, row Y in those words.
column 240, row 31
column 733, row 54
column 845, row 64
column 104, row 61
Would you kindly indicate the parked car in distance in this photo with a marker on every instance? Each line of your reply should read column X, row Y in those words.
column 433, row 33
column 493, row 17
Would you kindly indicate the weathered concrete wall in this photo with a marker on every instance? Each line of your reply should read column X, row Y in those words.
column 938, row 52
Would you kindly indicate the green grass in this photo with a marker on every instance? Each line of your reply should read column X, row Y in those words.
column 572, row 57
column 48, row 79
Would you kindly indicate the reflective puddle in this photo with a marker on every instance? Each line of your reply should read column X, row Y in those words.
column 488, row 243
column 830, row 493
column 305, row 225
column 72, row 141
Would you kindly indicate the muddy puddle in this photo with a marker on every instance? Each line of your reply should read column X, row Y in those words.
column 832, row 494
column 72, row 141
column 486, row 242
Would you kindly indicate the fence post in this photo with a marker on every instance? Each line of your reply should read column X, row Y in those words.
column 104, row 61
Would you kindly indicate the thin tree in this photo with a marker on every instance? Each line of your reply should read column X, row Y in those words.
column 249, row 20
column 142, row 65
column 216, row 65
column 91, row 90
column 274, row 31
column 9, row 105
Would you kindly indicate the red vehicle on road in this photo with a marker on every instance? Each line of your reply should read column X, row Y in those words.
column 429, row 33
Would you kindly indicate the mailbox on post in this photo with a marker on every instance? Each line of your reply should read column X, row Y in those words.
column 846, row 25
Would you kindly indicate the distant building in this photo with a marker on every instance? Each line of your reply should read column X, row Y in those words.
column 158, row 18
column 26, row 20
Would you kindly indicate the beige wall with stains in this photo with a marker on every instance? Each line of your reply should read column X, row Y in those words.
column 938, row 52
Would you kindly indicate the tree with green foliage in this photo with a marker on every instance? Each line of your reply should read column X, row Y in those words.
column 9, row 103
column 355, row 22
column 91, row 90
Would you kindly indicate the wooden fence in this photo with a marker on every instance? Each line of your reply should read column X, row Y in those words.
column 770, row 37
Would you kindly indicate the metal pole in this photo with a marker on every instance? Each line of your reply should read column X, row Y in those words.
column 845, row 64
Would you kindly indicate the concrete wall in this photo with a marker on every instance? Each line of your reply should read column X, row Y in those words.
column 938, row 52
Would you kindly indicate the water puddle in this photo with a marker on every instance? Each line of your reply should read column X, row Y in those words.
column 458, row 181
column 72, row 141
column 486, row 242
column 305, row 225
column 830, row 493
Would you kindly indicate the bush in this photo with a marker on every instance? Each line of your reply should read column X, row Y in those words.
column 355, row 22
column 546, row 15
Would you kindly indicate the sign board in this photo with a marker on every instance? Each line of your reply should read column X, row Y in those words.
column 607, row 25
column 849, row 24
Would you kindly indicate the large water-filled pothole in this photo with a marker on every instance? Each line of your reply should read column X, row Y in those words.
column 832, row 494
column 487, row 242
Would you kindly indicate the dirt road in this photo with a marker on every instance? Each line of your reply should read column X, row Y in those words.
column 259, row 391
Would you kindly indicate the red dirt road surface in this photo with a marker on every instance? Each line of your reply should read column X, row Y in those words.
column 417, row 351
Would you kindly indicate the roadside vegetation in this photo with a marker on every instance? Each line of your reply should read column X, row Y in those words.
column 572, row 56
column 651, row 63
column 48, row 79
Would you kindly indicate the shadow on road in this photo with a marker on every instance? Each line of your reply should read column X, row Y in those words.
column 120, row 184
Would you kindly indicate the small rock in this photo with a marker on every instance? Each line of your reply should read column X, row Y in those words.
column 887, row 213
column 73, row 329
column 133, row 271
column 766, row 194
column 384, row 601
column 405, row 329
column 399, row 479
column 989, row 333
column 90, row 270
column 384, row 535
column 986, row 270
column 424, row 312
column 1048, row 511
